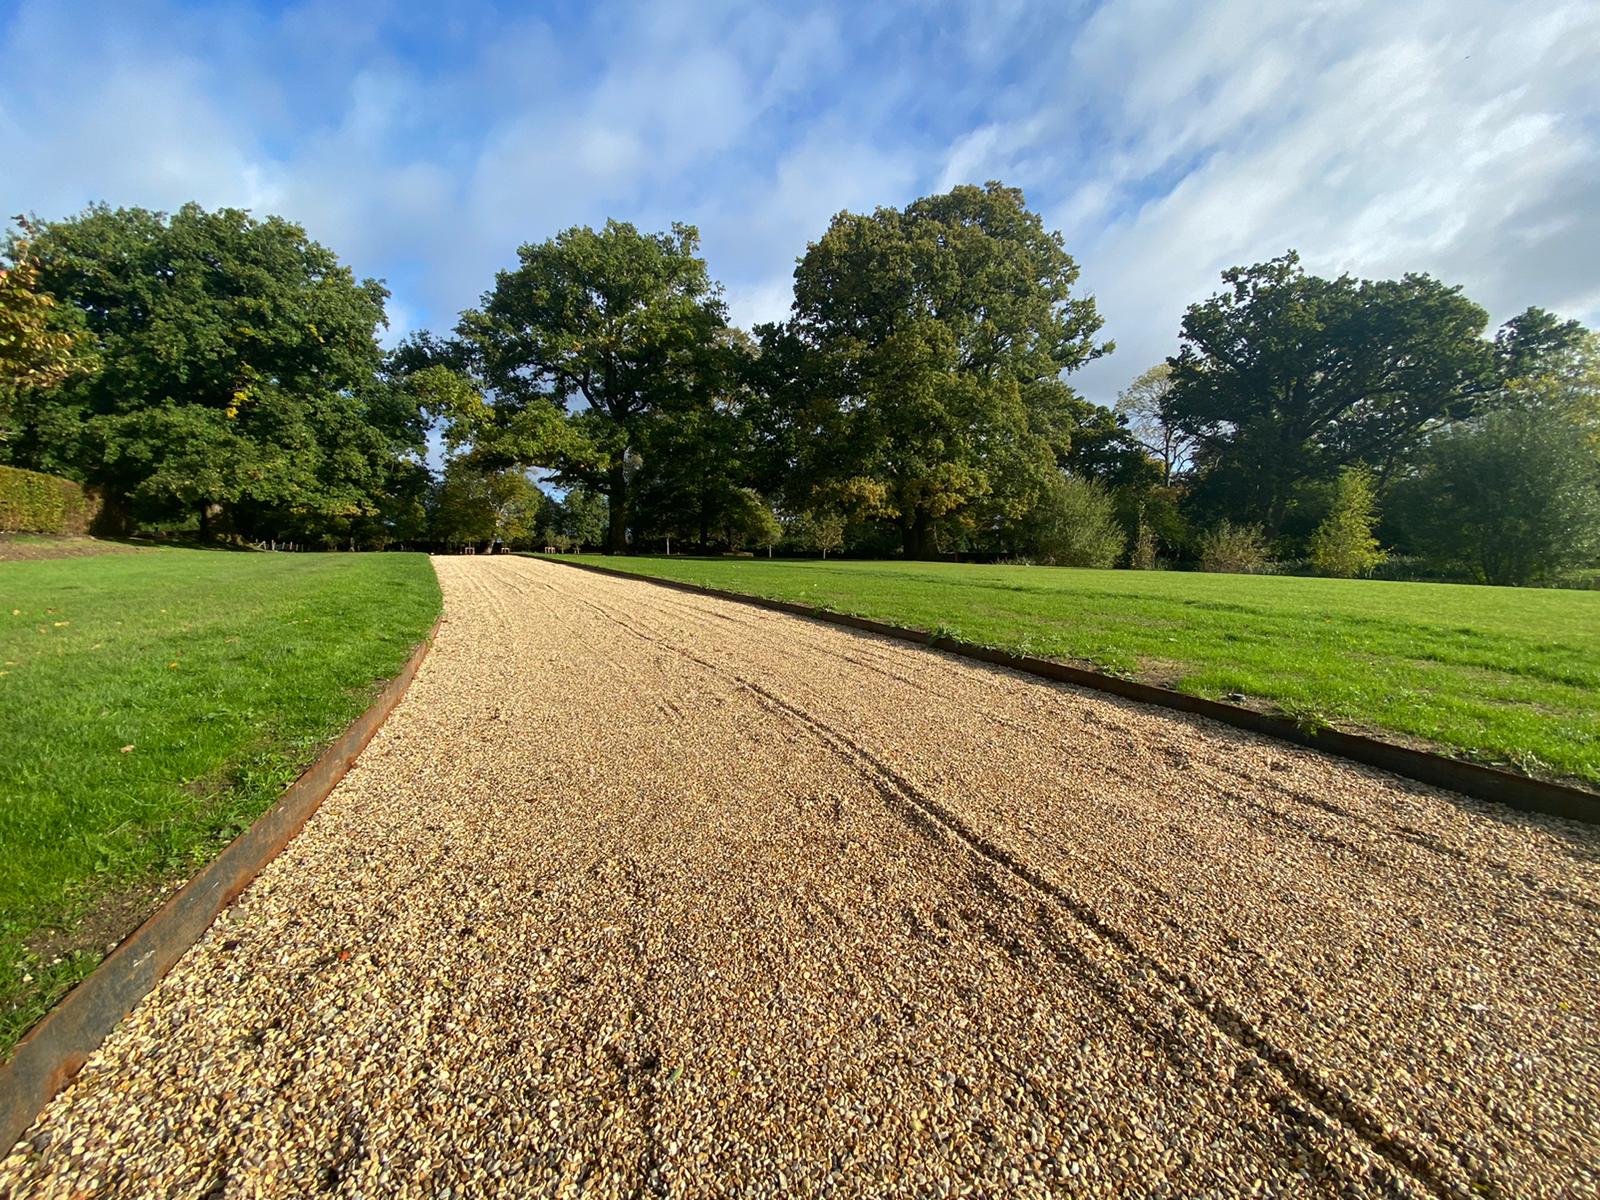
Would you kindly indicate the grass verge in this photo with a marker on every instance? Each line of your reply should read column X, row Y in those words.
column 151, row 706
column 1498, row 675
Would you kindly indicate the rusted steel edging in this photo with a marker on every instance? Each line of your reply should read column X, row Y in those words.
column 62, row 1041
column 1424, row 766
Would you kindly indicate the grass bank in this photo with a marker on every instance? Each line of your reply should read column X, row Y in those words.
column 153, row 704
column 1498, row 675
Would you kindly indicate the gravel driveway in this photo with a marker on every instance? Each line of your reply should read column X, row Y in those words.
column 645, row 894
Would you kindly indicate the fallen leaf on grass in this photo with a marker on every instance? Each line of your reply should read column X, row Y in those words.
column 127, row 749
column 171, row 665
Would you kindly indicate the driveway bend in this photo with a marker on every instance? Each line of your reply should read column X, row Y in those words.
column 646, row 894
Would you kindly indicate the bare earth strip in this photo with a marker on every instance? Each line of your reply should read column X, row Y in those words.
column 641, row 894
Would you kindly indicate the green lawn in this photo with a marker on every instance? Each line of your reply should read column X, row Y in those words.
column 1499, row 675
column 151, row 705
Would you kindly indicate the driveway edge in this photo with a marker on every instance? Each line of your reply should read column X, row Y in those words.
column 1521, row 792
column 61, row 1042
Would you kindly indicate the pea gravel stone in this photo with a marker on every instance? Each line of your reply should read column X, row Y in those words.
column 645, row 894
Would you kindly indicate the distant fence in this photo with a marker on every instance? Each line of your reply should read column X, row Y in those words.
column 31, row 502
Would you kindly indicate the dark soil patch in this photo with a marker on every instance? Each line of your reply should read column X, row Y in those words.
column 29, row 547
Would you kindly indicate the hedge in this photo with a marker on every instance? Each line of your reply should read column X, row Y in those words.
column 35, row 503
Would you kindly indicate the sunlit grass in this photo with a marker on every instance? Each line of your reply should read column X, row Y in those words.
column 151, row 706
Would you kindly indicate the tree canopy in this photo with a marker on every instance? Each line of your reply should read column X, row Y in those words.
column 217, row 370
column 931, row 343
column 1285, row 377
column 592, row 335
column 238, row 372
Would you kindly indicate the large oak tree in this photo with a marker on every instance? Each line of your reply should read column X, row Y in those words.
column 937, row 335
column 1284, row 378
column 238, row 372
column 591, row 337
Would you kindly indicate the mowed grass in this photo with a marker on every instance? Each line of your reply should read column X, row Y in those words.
column 152, row 705
column 1498, row 675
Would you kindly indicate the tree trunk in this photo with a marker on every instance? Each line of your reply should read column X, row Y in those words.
column 916, row 532
column 617, row 532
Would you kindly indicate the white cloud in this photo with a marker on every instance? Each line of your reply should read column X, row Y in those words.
column 1167, row 140
column 1418, row 137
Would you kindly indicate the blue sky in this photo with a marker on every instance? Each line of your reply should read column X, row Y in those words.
column 1165, row 140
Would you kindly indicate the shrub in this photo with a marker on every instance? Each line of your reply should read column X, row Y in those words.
column 1235, row 549
column 34, row 503
column 1512, row 498
column 1343, row 545
column 1074, row 524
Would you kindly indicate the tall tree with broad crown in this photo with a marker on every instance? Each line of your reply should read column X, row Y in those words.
column 235, row 364
column 1285, row 378
column 592, row 335
column 939, row 335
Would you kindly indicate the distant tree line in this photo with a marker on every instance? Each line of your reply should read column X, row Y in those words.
column 216, row 373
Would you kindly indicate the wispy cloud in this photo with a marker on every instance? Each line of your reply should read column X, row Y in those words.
column 1166, row 140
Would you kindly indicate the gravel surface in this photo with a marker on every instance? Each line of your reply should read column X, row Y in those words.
column 644, row 894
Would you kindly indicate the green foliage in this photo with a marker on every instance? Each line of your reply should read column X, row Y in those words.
column 1564, row 381
column 696, row 460
column 1286, row 377
column 210, row 368
column 36, row 353
column 579, row 518
column 822, row 530
column 31, row 502
column 1513, row 497
column 1491, row 674
column 1234, row 549
column 1343, row 547
column 749, row 521
column 1073, row 524
column 471, row 505
column 222, row 673
column 624, row 323
column 585, row 518
column 922, row 368
column 240, row 381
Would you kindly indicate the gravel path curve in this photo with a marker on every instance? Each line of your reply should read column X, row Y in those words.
column 644, row 894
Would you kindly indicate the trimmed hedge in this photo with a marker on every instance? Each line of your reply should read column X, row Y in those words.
column 35, row 503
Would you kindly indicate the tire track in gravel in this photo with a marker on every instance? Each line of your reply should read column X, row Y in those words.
column 879, row 658
column 1433, row 1151
column 637, row 895
column 931, row 821
column 925, row 814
